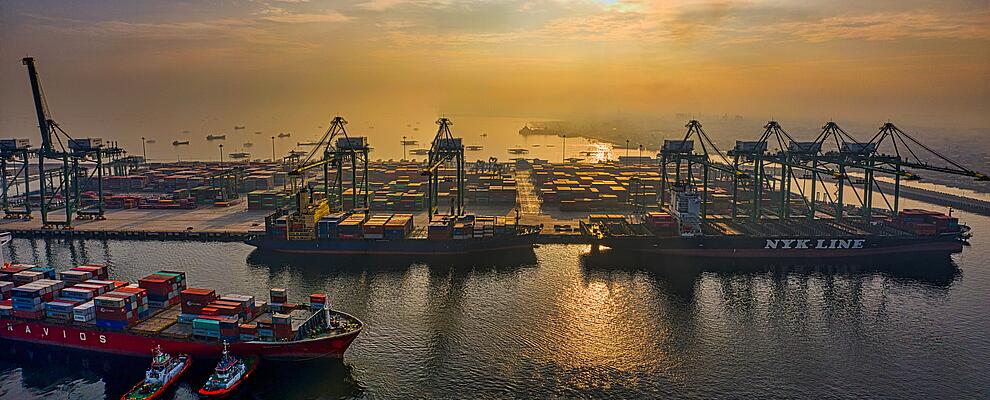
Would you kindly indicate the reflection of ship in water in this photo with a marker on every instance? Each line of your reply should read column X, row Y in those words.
column 305, row 263
column 42, row 367
column 419, row 152
column 935, row 270
column 473, row 147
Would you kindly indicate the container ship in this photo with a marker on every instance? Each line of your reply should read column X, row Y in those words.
column 361, row 232
column 82, row 309
column 679, row 231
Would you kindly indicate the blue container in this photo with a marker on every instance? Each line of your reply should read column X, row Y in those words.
column 49, row 273
column 112, row 325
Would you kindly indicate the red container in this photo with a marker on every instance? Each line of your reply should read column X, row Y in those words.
column 318, row 298
column 210, row 311
column 28, row 314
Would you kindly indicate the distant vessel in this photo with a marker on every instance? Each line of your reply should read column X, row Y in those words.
column 518, row 150
column 257, row 132
column 536, row 145
column 409, row 142
column 419, row 152
column 239, row 155
column 180, row 142
column 151, row 141
column 248, row 144
column 307, row 143
column 284, row 134
column 216, row 137
column 238, row 127
column 473, row 147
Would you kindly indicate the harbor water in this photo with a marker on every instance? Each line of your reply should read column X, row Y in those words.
column 561, row 322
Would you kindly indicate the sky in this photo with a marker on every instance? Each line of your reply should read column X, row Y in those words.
column 126, row 69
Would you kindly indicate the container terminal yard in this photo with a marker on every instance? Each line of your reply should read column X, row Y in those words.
column 773, row 188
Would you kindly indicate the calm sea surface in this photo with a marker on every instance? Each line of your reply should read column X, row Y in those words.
column 561, row 323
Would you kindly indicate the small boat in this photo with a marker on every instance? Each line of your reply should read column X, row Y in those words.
column 238, row 127
column 307, row 143
column 228, row 375
column 518, row 150
column 474, row 147
column 216, row 137
column 164, row 372
column 284, row 134
column 151, row 141
column 248, row 144
column 536, row 145
column 410, row 142
column 239, row 155
column 180, row 142
column 419, row 152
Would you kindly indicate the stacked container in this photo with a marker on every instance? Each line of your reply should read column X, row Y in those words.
column 327, row 226
column 248, row 332
column 7, row 273
column 245, row 304
column 5, row 288
column 318, row 301
column 282, row 326
column 399, row 226
column 163, row 288
column 206, row 326
column 60, row 309
column 193, row 301
column 278, row 298
column 374, row 227
column 85, row 312
column 25, row 277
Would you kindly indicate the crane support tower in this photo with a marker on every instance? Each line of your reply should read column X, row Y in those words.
column 444, row 150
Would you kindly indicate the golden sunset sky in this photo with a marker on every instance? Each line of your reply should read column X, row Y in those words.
column 127, row 68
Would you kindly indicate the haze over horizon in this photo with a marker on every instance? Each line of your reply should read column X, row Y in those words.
column 129, row 69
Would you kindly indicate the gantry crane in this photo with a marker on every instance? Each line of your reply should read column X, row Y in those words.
column 332, row 152
column 445, row 149
column 61, row 187
column 682, row 151
column 16, row 152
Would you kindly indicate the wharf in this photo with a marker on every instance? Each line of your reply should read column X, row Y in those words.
column 200, row 224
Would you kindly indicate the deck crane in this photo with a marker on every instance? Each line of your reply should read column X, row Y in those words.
column 678, row 151
column 333, row 150
column 444, row 149
column 61, row 188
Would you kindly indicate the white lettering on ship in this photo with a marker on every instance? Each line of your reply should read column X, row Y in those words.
column 815, row 244
column 45, row 332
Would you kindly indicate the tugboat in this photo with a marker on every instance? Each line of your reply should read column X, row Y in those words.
column 228, row 375
column 164, row 372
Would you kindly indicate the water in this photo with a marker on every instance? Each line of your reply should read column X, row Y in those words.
column 495, row 134
column 561, row 323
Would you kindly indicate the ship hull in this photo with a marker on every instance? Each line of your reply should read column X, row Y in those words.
column 784, row 247
column 125, row 343
column 399, row 247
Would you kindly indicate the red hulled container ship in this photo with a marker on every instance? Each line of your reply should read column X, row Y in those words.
column 84, row 310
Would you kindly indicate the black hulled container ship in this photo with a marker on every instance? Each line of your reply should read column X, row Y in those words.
column 679, row 231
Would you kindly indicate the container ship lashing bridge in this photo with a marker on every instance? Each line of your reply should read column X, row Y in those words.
column 744, row 203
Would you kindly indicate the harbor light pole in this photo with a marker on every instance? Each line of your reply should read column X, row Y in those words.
column 640, row 153
column 144, row 150
column 627, row 148
column 273, row 149
column 563, row 148
column 221, row 155
column 403, row 148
